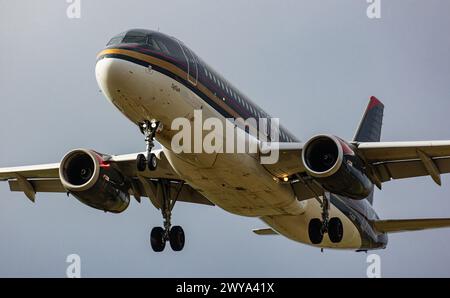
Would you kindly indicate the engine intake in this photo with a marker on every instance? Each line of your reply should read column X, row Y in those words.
column 322, row 156
column 334, row 164
column 86, row 175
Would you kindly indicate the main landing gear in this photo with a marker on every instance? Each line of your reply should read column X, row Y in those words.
column 318, row 227
column 160, row 235
column 149, row 129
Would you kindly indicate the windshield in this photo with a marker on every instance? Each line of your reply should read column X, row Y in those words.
column 154, row 41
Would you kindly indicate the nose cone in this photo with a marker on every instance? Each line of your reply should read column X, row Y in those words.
column 128, row 86
column 111, row 75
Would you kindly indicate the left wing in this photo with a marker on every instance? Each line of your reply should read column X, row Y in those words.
column 388, row 160
column 45, row 178
column 397, row 160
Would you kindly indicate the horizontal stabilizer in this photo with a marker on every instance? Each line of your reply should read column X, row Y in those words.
column 267, row 231
column 405, row 225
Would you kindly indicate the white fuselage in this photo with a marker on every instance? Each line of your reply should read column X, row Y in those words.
column 238, row 183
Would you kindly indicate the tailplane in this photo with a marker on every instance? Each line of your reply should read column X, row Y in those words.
column 405, row 225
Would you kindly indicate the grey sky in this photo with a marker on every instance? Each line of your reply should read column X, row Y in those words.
column 312, row 63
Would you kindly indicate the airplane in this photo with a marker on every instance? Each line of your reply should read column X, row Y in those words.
column 318, row 192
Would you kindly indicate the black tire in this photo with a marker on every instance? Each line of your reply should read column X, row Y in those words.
column 152, row 162
column 335, row 230
column 315, row 231
column 176, row 237
column 157, row 240
column 141, row 162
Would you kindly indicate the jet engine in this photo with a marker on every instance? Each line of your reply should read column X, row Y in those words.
column 333, row 164
column 94, row 182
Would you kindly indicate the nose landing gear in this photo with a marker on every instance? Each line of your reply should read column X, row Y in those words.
column 149, row 129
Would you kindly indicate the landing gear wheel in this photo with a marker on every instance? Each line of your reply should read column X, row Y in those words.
column 315, row 231
column 176, row 238
column 141, row 162
column 174, row 235
column 335, row 230
column 152, row 162
column 157, row 239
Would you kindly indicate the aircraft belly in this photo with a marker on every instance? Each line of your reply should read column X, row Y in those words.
column 295, row 227
column 238, row 184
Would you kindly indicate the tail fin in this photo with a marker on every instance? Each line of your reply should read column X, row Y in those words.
column 369, row 129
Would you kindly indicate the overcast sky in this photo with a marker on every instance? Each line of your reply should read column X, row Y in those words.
column 312, row 63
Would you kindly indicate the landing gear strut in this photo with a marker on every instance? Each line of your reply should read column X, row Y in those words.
column 175, row 235
column 149, row 129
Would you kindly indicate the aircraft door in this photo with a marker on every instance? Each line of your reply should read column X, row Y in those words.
column 192, row 73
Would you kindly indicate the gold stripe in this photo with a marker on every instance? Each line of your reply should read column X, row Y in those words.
column 173, row 69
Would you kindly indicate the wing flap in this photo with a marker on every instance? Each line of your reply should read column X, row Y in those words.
column 187, row 193
column 397, row 160
column 394, row 151
column 409, row 168
column 39, row 185
column 405, row 225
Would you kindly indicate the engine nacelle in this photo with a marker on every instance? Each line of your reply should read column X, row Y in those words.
column 333, row 164
column 86, row 175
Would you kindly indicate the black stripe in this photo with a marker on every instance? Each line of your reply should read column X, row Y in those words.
column 187, row 84
column 173, row 76
column 369, row 238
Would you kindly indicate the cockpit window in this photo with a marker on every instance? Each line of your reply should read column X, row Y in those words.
column 153, row 40
column 116, row 39
column 135, row 37
column 168, row 46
